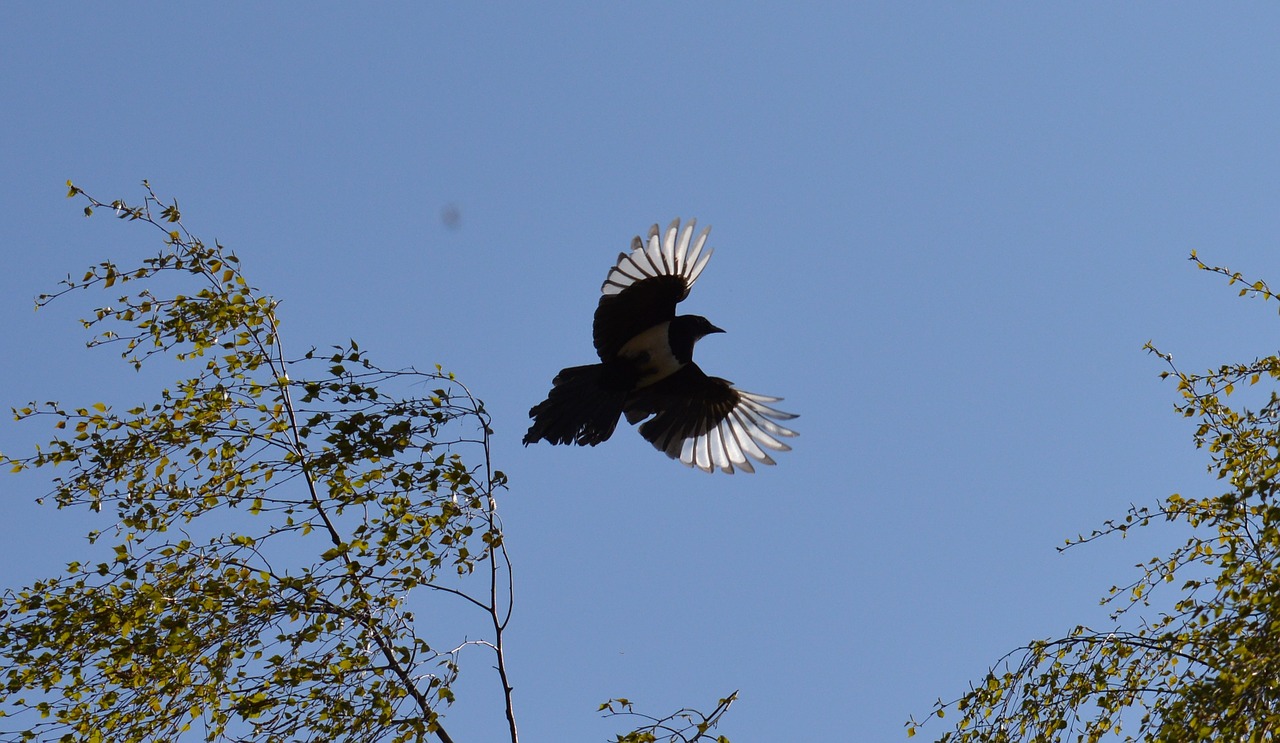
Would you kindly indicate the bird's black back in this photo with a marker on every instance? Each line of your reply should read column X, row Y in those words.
column 621, row 317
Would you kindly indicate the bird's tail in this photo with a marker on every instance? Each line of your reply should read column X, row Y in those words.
column 580, row 409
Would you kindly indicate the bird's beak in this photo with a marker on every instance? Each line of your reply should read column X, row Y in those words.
column 714, row 329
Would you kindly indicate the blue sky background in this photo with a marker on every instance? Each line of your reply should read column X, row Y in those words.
column 942, row 232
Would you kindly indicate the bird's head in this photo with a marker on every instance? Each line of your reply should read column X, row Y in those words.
column 697, row 326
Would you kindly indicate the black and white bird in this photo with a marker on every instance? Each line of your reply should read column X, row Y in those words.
column 646, row 370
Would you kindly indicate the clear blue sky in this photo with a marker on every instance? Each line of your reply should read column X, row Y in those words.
column 943, row 232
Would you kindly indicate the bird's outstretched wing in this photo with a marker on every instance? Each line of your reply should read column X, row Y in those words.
column 706, row 423
column 644, row 286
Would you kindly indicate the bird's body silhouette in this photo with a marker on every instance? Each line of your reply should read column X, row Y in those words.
column 646, row 370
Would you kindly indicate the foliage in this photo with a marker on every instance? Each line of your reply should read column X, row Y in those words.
column 267, row 520
column 294, row 623
column 681, row 726
column 1209, row 667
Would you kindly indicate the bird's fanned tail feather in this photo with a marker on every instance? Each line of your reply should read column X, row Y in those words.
column 578, row 410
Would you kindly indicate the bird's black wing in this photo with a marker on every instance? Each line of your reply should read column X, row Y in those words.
column 706, row 423
column 644, row 286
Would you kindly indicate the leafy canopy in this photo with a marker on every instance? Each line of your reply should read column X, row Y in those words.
column 349, row 489
column 1209, row 667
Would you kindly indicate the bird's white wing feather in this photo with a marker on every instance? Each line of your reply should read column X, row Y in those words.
column 664, row 253
column 749, row 429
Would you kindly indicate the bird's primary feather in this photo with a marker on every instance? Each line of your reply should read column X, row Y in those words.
column 706, row 423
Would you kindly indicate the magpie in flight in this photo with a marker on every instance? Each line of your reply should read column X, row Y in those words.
column 646, row 369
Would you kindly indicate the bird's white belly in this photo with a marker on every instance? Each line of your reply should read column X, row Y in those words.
column 651, row 352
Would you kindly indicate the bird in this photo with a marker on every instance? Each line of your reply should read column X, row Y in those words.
column 647, row 373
